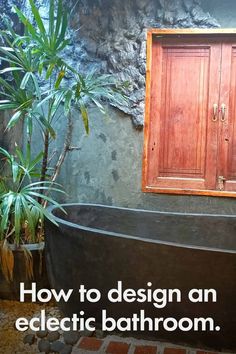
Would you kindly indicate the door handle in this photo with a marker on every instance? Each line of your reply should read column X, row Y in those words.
column 215, row 112
column 223, row 110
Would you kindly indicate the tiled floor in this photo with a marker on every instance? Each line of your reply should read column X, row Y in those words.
column 119, row 345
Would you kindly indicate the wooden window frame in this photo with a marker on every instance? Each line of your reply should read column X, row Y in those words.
column 150, row 34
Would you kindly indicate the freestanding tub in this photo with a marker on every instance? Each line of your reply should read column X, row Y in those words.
column 98, row 246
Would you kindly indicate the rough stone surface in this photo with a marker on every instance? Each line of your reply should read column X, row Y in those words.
column 67, row 349
column 112, row 38
column 86, row 333
column 57, row 346
column 44, row 346
column 11, row 340
column 53, row 336
column 42, row 334
column 71, row 337
column 6, row 7
column 29, row 339
column 109, row 38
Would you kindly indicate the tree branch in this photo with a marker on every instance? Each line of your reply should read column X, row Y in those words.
column 66, row 148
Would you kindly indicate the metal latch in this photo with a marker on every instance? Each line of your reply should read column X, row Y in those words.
column 221, row 180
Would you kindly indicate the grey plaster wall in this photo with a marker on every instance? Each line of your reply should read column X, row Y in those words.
column 223, row 11
column 112, row 38
column 108, row 167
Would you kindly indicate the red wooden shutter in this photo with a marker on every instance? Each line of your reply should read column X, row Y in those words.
column 226, row 175
column 181, row 150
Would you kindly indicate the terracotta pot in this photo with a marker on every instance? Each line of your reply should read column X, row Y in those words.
column 10, row 290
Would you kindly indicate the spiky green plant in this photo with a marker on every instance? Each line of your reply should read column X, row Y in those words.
column 36, row 58
column 21, row 215
column 35, row 83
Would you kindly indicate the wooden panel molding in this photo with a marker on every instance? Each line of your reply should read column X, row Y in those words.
column 188, row 147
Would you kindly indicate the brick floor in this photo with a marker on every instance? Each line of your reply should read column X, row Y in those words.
column 90, row 343
column 174, row 351
column 117, row 348
column 145, row 349
column 202, row 352
column 119, row 345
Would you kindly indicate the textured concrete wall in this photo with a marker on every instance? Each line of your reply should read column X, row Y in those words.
column 108, row 167
column 223, row 11
column 112, row 38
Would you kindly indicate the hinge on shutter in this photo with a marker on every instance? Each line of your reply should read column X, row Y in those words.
column 221, row 180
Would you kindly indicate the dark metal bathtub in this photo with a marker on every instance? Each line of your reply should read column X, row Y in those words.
column 99, row 245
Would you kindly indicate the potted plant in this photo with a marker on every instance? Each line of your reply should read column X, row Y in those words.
column 38, row 86
column 22, row 220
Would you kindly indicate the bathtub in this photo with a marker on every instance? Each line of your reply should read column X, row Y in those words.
column 99, row 245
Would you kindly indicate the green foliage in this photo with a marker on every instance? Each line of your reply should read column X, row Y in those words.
column 35, row 82
column 36, row 58
column 21, row 214
column 47, row 44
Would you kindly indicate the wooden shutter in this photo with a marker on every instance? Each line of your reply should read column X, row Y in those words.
column 227, row 120
column 190, row 125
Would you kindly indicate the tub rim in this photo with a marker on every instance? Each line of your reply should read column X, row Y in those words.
column 100, row 232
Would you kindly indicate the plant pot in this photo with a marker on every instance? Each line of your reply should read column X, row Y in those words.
column 11, row 290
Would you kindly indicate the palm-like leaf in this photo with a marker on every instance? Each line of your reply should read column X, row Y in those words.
column 20, row 213
column 91, row 88
column 47, row 43
column 41, row 48
column 21, row 209
column 21, row 167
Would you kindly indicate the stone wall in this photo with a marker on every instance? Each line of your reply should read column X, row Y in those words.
column 110, row 36
column 6, row 7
